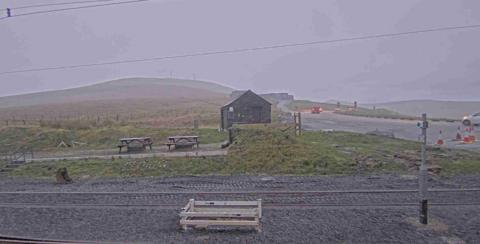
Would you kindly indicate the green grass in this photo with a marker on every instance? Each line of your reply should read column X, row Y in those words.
column 272, row 150
column 41, row 138
column 384, row 113
column 465, row 166
column 124, row 168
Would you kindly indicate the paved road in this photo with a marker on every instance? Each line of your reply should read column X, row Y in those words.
column 403, row 129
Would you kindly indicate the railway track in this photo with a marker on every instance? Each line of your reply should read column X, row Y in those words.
column 173, row 201
column 249, row 192
column 265, row 205
column 271, row 199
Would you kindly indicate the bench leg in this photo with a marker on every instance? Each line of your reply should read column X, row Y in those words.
column 258, row 228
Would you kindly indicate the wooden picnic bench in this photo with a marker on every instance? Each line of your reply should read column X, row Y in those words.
column 144, row 142
column 182, row 141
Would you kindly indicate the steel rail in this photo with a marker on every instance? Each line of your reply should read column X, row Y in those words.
column 246, row 192
column 30, row 240
column 265, row 205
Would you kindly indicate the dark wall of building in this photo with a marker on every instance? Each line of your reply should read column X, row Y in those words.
column 247, row 109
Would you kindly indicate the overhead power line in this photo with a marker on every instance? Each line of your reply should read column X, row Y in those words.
column 72, row 8
column 58, row 4
column 244, row 50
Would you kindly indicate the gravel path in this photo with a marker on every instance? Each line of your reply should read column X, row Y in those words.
column 353, row 224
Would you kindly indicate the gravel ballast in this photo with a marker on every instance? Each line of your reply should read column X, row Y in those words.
column 333, row 224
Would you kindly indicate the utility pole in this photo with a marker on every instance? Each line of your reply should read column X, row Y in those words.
column 423, row 172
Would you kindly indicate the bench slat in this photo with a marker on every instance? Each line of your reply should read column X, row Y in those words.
column 219, row 222
column 226, row 203
column 234, row 210
column 219, row 214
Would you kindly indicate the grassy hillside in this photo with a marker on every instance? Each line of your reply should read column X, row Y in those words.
column 260, row 150
column 123, row 89
column 437, row 109
column 149, row 101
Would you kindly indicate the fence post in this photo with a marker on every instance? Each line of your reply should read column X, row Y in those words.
column 230, row 135
column 195, row 124
column 299, row 123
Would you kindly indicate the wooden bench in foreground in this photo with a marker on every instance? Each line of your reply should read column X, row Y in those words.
column 201, row 214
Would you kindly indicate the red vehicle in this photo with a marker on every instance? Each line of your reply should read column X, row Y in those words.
column 316, row 110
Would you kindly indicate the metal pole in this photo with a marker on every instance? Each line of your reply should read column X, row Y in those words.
column 423, row 173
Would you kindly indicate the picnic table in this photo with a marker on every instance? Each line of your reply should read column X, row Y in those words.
column 142, row 141
column 182, row 141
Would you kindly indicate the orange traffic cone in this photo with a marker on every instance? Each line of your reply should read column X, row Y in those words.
column 440, row 139
column 459, row 134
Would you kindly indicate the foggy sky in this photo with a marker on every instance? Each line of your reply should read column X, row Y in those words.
column 442, row 65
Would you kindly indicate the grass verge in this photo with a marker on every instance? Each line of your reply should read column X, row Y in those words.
column 40, row 138
column 271, row 150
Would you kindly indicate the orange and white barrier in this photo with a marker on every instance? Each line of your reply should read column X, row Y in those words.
column 473, row 138
column 440, row 140
column 469, row 136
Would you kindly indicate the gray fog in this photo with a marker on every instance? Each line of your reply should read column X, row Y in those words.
column 438, row 65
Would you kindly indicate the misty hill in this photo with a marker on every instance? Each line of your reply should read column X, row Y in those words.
column 437, row 109
column 123, row 89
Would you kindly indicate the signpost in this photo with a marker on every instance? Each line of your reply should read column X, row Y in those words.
column 297, row 118
column 423, row 172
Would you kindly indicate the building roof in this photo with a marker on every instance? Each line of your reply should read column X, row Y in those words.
column 248, row 91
